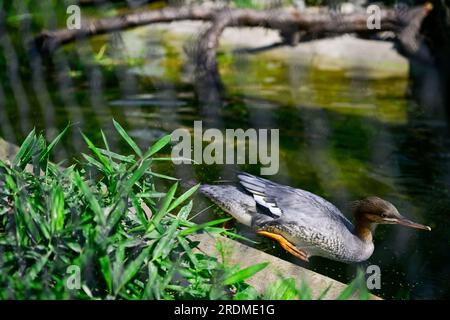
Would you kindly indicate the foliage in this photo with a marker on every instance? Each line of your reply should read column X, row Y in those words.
column 105, row 217
column 100, row 229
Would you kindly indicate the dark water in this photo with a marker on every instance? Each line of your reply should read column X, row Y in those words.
column 341, row 138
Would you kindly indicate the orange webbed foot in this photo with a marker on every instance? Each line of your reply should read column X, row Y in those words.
column 288, row 246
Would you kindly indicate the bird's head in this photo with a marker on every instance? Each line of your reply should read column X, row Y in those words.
column 379, row 211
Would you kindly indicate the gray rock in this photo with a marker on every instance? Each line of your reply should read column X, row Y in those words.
column 7, row 150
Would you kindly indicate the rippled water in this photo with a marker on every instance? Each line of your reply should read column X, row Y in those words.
column 341, row 138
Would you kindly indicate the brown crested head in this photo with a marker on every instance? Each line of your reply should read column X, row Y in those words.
column 376, row 210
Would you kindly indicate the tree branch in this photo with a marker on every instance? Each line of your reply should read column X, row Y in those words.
column 281, row 19
column 48, row 41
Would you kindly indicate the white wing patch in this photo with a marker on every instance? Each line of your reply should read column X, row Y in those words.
column 261, row 200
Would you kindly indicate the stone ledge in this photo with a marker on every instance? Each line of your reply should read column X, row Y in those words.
column 245, row 256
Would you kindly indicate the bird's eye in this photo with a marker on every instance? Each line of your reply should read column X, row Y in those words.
column 383, row 215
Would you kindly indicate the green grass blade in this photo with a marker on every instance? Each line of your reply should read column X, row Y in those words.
column 128, row 139
column 324, row 293
column 347, row 292
column 116, row 156
column 117, row 214
column 151, row 195
column 249, row 293
column 165, row 244
column 184, row 212
column 152, row 288
column 24, row 149
column 187, row 249
column 133, row 267
column 183, row 197
column 105, row 267
column 92, row 161
column 98, row 154
column 305, row 291
column 282, row 289
column 90, row 197
column 245, row 273
column 55, row 141
column 165, row 205
column 161, row 143
column 198, row 227
column 105, row 141
column 137, row 174
column 57, row 209
column 163, row 176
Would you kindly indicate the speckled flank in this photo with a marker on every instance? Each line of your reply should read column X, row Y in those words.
column 315, row 244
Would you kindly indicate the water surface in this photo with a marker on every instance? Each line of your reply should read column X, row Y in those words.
column 342, row 138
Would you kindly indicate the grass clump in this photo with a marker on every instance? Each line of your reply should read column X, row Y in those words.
column 101, row 229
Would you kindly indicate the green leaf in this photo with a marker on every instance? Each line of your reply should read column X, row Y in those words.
column 100, row 53
column 248, row 293
column 117, row 213
column 57, row 209
column 151, row 195
column 198, row 227
column 133, row 267
column 324, row 293
column 92, row 161
column 165, row 205
column 90, row 197
column 347, row 292
column 127, row 138
column 98, row 154
column 184, row 212
column 161, row 143
column 27, row 224
column 282, row 289
column 305, row 291
column 38, row 266
column 53, row 144
column 183, row 197
column 245, row 273
column 105, row 141
column 163, row 176
column 187, row 249
column 152, row 288
column 105, row 267
column 137, row 175
column 21, row 156
column 113, row 155
column 137, row 205
column 75, row 246
column 165, row 244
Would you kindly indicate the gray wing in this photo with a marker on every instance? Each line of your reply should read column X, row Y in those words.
column 290, row 204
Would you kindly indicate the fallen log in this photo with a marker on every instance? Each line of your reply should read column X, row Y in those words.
column 48, row 41
column 315, row 25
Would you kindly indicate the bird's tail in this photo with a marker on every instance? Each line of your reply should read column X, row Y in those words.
column 232, row 200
